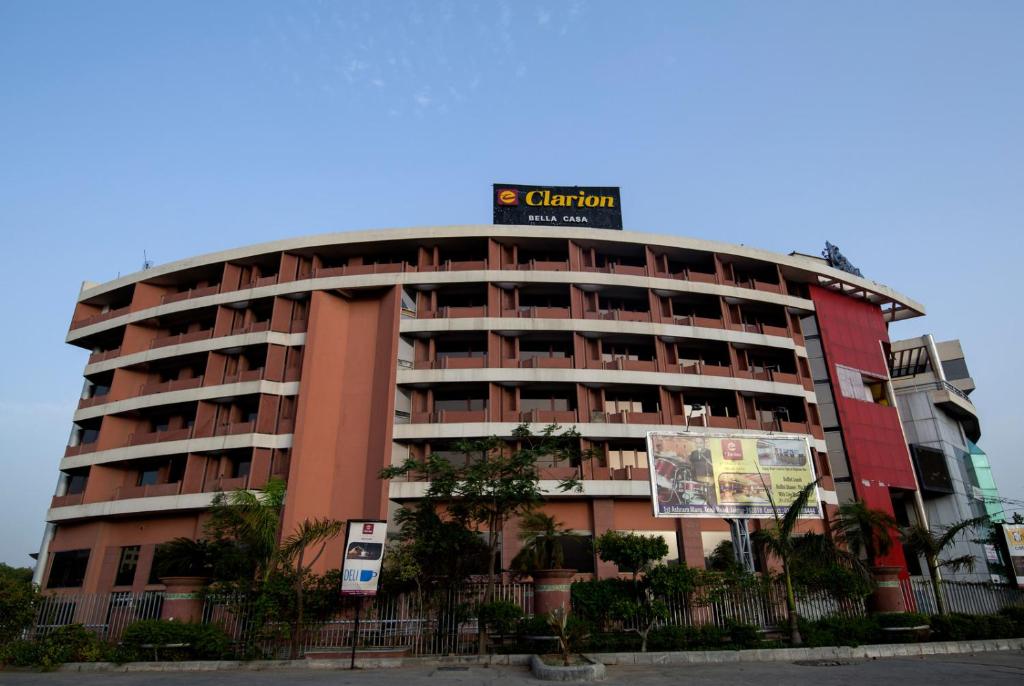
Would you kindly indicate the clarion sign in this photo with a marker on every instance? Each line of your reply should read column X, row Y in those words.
column 595, row 207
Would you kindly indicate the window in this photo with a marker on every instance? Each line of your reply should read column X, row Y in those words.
column 240, row 468
column 956, row 369
column 76, row 483
column 148, row 476
column 859, row 386
column 68, row 569
column 578, row 553
column 127, row 565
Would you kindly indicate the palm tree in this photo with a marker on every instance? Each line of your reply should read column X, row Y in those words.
column 865, row 530
column 931, row 545
column 779, row 541
column 252, row 519
column 543, row 537
column 293, row 551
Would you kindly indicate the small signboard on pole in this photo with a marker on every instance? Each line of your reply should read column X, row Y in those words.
column 362, row 557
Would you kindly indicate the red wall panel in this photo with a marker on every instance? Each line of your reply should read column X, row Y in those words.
column 851, row 334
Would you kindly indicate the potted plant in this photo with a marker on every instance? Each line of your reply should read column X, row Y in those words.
column 543, row 557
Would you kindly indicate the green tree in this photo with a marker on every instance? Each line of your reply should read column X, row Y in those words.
column 18, row 601
column 633, row 553
column 778, row 541
column 932, row 545
column 497, row 483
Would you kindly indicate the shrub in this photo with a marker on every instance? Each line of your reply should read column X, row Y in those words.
column 1016, row 616
column 744, row 635
column 961, row 627
column 615, row 642
column 674, row 638
column 500, row 616
column 839, row 631
column 72, row 643
column 902, row 619
column 594, row 601
column 200, row 641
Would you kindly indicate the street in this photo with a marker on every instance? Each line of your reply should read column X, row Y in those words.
column 962, row 670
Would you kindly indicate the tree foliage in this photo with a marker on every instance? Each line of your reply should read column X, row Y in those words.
column 932, row 545
column 779, row 542
column 633, row 553
column 18, row 601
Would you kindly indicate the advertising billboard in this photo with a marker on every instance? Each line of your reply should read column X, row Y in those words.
column 362, row 557
column 586, row 206
column 728, row 475
column 1014, row 534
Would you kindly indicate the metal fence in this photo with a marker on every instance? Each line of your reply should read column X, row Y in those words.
column 424, row 624
column 444, row 623
column 107, row 614
column 971, row 598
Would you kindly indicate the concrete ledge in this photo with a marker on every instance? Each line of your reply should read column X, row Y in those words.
column 593, row 670
column 664, row 658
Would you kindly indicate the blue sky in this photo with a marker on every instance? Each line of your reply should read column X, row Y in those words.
column 175, row 128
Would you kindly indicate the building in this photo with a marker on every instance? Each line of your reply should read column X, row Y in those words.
column 933, row 387
column 322, row 359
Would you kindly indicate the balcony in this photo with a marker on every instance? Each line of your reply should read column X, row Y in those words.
column 451, row 362
column 67, row 500
column 149, row 490
column 242, row 377
column 704, row 368
column 628, row 270
column 453, row 312
column 93, row 401
column 228, row 483
column 189, row 294
column 541, row 363
column 234, row 429
column 549, row 416
column 160, row 436
column 449, row 416
column 703, row 322
column 168, row 386
column 101, row 317
column 179, row 339
column 105, row 355
column 688, row 275
column 619, row 315
column 251, row 327
column 623, row 364
column 543, row 265
column 360, row 269
column 81, row 449
column 628, row 417
column 537, row 312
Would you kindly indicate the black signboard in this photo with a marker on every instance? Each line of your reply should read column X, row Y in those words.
column 588, row 206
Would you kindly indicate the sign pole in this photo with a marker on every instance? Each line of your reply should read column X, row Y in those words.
column 355, row 631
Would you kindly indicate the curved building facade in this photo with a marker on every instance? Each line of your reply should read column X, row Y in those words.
column 321, row 360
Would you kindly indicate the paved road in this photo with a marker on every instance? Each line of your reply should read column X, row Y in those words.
column 984, row 669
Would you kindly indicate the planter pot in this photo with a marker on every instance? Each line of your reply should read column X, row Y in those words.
column 183, row 599
column 887, row 596
column 589, row 670
column 551, row 590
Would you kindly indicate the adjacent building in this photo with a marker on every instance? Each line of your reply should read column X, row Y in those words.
column 933, row 387
column 320, row 360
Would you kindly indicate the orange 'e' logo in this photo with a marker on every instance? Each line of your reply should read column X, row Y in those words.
column 507, row 196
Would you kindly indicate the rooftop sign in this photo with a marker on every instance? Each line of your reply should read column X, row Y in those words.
column 595, row 207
